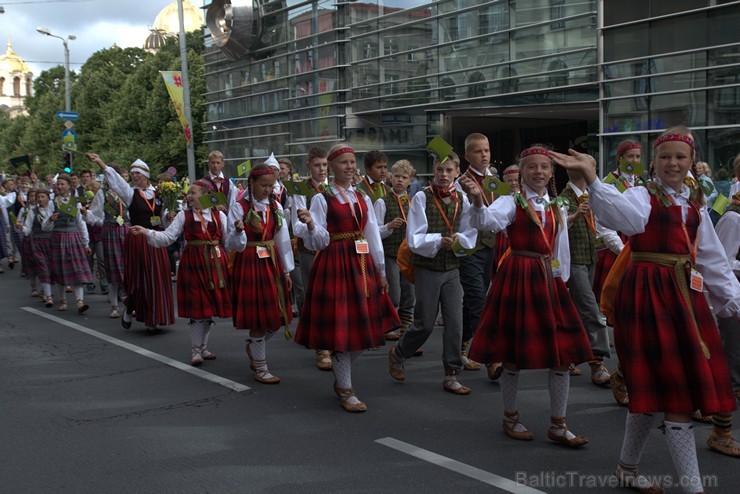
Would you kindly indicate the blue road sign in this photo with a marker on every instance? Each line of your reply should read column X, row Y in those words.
column 67, row 115
column 69, row 132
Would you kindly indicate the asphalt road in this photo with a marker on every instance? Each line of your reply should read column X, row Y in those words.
column 123, row 414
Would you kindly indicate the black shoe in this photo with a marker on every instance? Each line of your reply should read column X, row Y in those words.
column 126, row 324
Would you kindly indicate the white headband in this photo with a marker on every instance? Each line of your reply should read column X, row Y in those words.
column 139, row 166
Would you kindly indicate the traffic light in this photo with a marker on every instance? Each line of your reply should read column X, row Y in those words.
column 67, row 161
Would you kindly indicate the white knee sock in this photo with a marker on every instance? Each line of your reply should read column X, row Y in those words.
column 636, row 432
column 61, row 294
column 509, row 384
column 79, row 291
column 46, row 288
column 259, row 353
column 682, row 446
column 559, row 384
column 196, row 333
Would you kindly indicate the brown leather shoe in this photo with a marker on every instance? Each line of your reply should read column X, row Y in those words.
column 494, row 370
column 344, row 395
column 599, row 374
column 451, row 385
column 395, row 365
column 558, row 423
column 636, row 482
column 265, row 377
column 323, row 360
column 724, row 444
column 619, row 387
column 574, row 371
column 511, row 420
column 392, row 336
column 468, row 363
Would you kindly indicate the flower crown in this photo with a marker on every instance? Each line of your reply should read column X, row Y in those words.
column 674, row 137
column 205, row 184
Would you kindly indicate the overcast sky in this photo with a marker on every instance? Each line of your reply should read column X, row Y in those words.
column 98, row 24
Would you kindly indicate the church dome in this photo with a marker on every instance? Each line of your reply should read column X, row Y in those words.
column 10, row 62
column 155, row 40
column 167, row 20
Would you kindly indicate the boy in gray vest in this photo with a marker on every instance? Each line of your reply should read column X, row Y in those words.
column 438, row 219
column 391, row 211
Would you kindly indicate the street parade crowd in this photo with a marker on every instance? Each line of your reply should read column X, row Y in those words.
column 517, row 275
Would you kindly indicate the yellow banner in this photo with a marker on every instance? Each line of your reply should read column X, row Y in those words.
column 173, row 81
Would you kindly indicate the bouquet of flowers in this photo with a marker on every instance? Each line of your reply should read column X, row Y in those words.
column 169, row 193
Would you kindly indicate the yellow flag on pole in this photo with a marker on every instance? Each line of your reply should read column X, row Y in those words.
column 173, row 82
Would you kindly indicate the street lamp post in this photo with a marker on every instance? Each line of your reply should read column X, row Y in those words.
column 71, row 37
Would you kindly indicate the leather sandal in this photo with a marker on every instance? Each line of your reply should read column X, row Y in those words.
column 395, row 365
column 558, row 423
column 619, row 387
column 345, row 394
column 633, row 480
column 323, row 360
column 511, row 420
column 599, row 374
column 574, row 371
column 451, row 385
column 724, row 444
column 494, row 371
column 468, row 363
column 392, row 336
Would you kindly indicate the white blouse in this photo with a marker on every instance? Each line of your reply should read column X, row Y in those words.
column 629, row 213
column 123, row 189
column 237, row 241
column 319, row 238
column 501, row 213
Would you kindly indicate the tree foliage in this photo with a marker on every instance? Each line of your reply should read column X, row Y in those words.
column 125, row 111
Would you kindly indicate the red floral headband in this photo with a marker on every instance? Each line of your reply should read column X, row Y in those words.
column 534, row 150
column 339, row 152
column 205, row 184
column 674, row 137
column 626, row 147
column 511, row 171
column 265, row 171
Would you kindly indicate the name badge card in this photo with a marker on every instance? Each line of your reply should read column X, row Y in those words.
column 557, row 271
column 362, row 247
column 697, row 280
column 155, row 220
column 262, row 252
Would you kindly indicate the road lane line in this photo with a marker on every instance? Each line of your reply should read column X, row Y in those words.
column 457, row 467
column 227, row 383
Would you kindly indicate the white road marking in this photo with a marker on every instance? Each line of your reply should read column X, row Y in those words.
column 227, row 383
column 457, row 467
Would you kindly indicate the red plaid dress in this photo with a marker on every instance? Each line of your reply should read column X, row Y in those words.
column 527, row 320
column 337, row 315
column 658, row 346
column 603, row 265
column 199, row 293
column 254, row 294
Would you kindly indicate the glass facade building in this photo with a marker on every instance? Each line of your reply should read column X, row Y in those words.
column 284, row 75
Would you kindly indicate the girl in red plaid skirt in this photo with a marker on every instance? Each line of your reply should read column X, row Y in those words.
column 262, row 266
column 202, row 279
column 68, row 245
column 529, row 320
column 665, row 334
column 347, row 307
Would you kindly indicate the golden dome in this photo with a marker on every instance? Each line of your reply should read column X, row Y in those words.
column 10, row 62
column 167, row 20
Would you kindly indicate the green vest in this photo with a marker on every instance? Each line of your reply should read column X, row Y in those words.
column 445, row 260
column 580, row 236
column 393, row 241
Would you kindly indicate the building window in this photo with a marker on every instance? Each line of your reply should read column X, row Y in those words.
column 557, row 11
column 29, row 85
column 370, row 50
column 16, row 86
column 477, row 88
column 390, row 48
column 447, row 89
column 2, row 86
column 391, row 84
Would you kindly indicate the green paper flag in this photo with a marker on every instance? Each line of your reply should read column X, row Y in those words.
column 631, row 168
column 244, row 168
column 459, row 250
column 706, row 187
column 68, row 208
column 720, row 204
column 493, row 184
column 11, row 217
column 211, row 200
column 299, row 188
column 439, row 148
column 21, row 165
column 612, row 180
column 89, row 195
